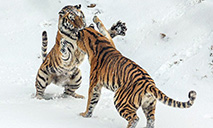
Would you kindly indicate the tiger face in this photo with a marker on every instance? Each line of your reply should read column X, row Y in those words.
column 71, row 20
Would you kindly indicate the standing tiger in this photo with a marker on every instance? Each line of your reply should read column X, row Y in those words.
column 60, row 65
column 132, row 85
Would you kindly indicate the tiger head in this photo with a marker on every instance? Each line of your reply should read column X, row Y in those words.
column 71, row 20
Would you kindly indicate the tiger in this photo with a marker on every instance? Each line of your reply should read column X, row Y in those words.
column 60, row 65
column 132, row 85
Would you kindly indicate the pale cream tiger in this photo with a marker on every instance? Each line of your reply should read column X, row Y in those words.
column 60, row 65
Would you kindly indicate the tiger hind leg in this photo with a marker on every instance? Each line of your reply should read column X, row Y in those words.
column 73, row 84
column 43, row 79
column 132, row 123
column 130, row 115
column 149, row 111
column 126, row 109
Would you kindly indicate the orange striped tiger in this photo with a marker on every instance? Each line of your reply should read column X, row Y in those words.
column 132, row 85
column 60, row 65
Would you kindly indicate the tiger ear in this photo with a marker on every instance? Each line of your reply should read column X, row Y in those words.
column 92, row 26
column 78, row 6
column 61, row 13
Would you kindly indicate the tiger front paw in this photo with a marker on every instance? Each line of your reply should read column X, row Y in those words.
column 78, row 96
column 75, row 95
column 118, row 29
column 85, row 114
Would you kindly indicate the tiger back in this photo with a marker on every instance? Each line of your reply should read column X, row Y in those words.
column 132, row 85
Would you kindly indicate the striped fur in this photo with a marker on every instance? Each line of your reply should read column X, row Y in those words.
column 132, row 85
column 61, row 64
column 44, row 45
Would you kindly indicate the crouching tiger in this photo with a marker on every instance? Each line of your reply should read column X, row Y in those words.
column 132, row 85
column 61, row 64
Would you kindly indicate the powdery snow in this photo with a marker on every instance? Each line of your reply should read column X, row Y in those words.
column 179, row 62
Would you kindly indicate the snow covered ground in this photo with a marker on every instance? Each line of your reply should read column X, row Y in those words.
column 179, row 62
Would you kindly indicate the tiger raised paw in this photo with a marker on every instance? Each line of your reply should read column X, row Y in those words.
column 118, row 29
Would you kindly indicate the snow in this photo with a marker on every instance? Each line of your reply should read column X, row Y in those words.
column 178, row 63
